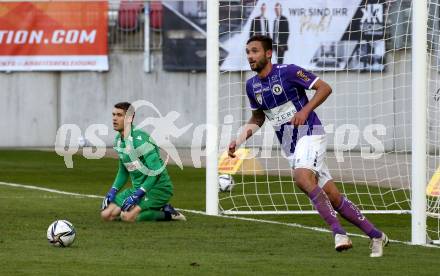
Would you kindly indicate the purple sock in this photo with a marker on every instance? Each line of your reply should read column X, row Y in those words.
column 325, row 209
column 351, row 212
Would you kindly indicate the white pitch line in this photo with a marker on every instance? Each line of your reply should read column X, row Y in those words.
column 296, row 225
column 47, row 190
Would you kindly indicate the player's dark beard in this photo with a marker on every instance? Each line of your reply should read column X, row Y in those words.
column 260, row 65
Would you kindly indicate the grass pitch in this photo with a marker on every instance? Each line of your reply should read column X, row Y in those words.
column 203, row 245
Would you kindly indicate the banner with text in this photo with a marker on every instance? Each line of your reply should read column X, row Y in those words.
column 315, row 34
column 55, row 35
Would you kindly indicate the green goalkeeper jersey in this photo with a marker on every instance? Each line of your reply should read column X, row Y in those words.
column 139, row 158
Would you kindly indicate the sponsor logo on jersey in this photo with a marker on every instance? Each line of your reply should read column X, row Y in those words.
column 274, row 78
column 277, row 89
column 300, row 74
column 259, row 98
column 132, row 166
column 256, row 85
column 265, row 89
column 281, row 114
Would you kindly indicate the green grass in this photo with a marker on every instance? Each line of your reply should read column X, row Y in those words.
column 203, row 245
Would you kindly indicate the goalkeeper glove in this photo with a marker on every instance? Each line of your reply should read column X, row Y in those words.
column 110, row 197
column 133, row 200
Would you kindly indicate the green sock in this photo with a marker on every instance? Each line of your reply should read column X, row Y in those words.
column 151, row 215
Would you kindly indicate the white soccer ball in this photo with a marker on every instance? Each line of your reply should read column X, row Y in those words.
column 225, row 182
column 61, row 233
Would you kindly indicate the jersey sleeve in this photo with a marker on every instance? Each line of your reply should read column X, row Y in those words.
column 302, row 77
column 250, row 94
column 121, row 177
column 122, row 174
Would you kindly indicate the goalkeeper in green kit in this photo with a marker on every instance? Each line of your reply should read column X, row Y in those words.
column 139, row 158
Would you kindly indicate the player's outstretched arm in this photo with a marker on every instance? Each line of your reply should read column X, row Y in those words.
column 253, row 125
column 323, row 90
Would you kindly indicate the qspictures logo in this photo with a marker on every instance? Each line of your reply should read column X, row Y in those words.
column 164, row 129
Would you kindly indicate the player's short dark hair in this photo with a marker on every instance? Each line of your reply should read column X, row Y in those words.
column 127, row 107
column 123, row 105
column 266, row 41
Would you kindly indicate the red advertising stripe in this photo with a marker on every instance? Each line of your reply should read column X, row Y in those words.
column 53, row 28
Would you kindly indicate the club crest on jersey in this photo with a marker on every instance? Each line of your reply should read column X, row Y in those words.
column 300, row 74
column 277, row 89
column 259, row 98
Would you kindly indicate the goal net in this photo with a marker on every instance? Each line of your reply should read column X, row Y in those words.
column 363, row 49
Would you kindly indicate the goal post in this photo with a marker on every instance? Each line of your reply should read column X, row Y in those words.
column 212, row 94
column 378, row 59
column 419, row 121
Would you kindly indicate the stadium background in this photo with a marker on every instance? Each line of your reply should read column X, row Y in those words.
column 36, row 104
column 40, row 102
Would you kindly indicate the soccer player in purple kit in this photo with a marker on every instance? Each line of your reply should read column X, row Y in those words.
column 277, row 93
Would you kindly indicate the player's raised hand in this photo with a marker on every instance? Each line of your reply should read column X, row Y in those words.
column 232, row 148
column 299, row 118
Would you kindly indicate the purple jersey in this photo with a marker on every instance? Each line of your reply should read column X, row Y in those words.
column 280, row 95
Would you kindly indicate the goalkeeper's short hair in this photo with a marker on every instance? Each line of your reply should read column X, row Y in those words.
column 123, row 105
column 126, row 106
column 265, row 40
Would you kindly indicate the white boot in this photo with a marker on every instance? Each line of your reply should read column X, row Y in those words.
column 377, row 245
column 342, row 242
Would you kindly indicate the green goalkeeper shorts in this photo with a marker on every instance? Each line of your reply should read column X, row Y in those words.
column 155, row 199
